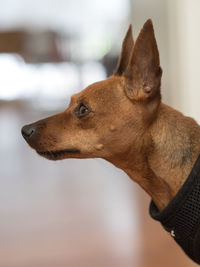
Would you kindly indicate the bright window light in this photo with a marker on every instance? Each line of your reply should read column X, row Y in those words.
column 53, row 81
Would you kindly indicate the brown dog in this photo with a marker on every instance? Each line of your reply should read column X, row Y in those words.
column 123, row 120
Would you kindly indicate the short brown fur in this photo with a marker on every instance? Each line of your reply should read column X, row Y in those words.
column 123, row 120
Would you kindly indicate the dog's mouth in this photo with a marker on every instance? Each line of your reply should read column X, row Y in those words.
column 58, row 154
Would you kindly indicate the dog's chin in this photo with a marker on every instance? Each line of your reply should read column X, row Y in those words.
column 59, row 154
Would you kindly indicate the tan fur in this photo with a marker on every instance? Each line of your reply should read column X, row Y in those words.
column 126, row 124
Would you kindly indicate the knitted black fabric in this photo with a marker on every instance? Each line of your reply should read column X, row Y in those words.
column 181, row 217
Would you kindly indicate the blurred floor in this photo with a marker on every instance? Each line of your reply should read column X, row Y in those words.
column 76, row 213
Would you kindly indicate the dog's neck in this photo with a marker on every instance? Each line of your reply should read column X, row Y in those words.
column 172, row 147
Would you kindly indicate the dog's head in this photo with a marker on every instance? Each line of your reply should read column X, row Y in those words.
column 110, row 117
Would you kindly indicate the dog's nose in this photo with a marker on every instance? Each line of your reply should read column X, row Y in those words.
column 28, row 131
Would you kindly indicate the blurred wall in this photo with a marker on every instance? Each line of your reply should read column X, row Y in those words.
column 184, row 21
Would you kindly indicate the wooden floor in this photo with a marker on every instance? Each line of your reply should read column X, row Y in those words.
column 76, row 213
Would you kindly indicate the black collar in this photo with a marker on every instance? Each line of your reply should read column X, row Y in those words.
column 181, row 217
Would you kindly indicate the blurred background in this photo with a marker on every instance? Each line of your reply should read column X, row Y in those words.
column 82, row 213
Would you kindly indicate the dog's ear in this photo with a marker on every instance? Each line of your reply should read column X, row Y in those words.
column 143, row 75
column 127, row 47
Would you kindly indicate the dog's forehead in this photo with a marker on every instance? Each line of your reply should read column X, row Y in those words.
column 110, row 87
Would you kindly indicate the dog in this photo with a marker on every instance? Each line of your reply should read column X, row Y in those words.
column 123, row 121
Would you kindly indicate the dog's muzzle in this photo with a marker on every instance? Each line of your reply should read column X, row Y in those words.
column 31, row 133
column 28, row 131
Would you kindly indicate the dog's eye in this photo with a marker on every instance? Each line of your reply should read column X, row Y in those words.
column 81, row 110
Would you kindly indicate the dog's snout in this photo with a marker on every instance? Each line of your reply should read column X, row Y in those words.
column 32, row 133
column 28, row 131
